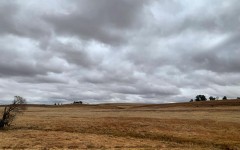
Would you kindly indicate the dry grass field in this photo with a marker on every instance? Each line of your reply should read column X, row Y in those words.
column 198, row 125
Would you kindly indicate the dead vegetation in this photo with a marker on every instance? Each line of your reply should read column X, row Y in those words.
column 11, row 111
column 128, row 127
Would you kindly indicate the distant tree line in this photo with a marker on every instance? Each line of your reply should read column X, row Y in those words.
column 211, row 98
column 77, row 102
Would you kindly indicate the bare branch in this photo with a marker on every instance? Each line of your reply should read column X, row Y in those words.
column 9, row 114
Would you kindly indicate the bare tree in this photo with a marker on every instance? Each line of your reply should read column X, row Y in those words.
column 9, row 114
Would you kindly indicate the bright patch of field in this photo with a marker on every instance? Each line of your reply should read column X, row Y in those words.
column 119, row 126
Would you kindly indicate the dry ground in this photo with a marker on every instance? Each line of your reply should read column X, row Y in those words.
column 126, row 126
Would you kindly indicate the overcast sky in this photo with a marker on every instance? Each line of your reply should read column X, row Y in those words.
column 102, row 51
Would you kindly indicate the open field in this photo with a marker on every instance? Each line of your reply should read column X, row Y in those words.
column 198, row 125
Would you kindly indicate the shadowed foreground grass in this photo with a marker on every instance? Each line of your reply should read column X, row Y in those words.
column 125, row 127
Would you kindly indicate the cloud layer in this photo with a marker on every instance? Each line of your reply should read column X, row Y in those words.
column 119, row 50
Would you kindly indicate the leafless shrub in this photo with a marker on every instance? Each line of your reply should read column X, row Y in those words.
column 11, row 111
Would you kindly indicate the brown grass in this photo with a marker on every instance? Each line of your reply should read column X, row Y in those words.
column 121, row 126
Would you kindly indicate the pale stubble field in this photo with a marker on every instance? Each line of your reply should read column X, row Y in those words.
column 122, row 126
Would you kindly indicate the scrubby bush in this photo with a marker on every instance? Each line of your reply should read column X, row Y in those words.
column 77, row 102
column 11, row 111
column 200, row 98
column 224, row 97
column 212, row 98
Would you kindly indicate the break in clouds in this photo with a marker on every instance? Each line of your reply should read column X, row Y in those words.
column 144, row 51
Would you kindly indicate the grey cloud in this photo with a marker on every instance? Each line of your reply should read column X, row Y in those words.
column 39, row 79
column 213, row 17
column 130, row 84
column 106, row 21
column 124, row 16
column 7, row 12
column 147, row 90
column 226, row 21
column 13, row 62
column 221, row 62
column 23, row 69
column 18, row 70
column 25, row 24
column 84, row 29
column 119, row 75
column 73, row 93
column 72, row 54
column 119, row 50
column 222, row 58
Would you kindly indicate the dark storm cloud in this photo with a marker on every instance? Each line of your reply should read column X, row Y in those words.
column 14, row 63
column 221, row 62
column 222, row 58
column 7, row 12
column 9, row 69
column 39, row 79
column 18, row 70
column 73, row 54
column 22, row 57
column 119, row 50
column 107, row 21
column 15, row 21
